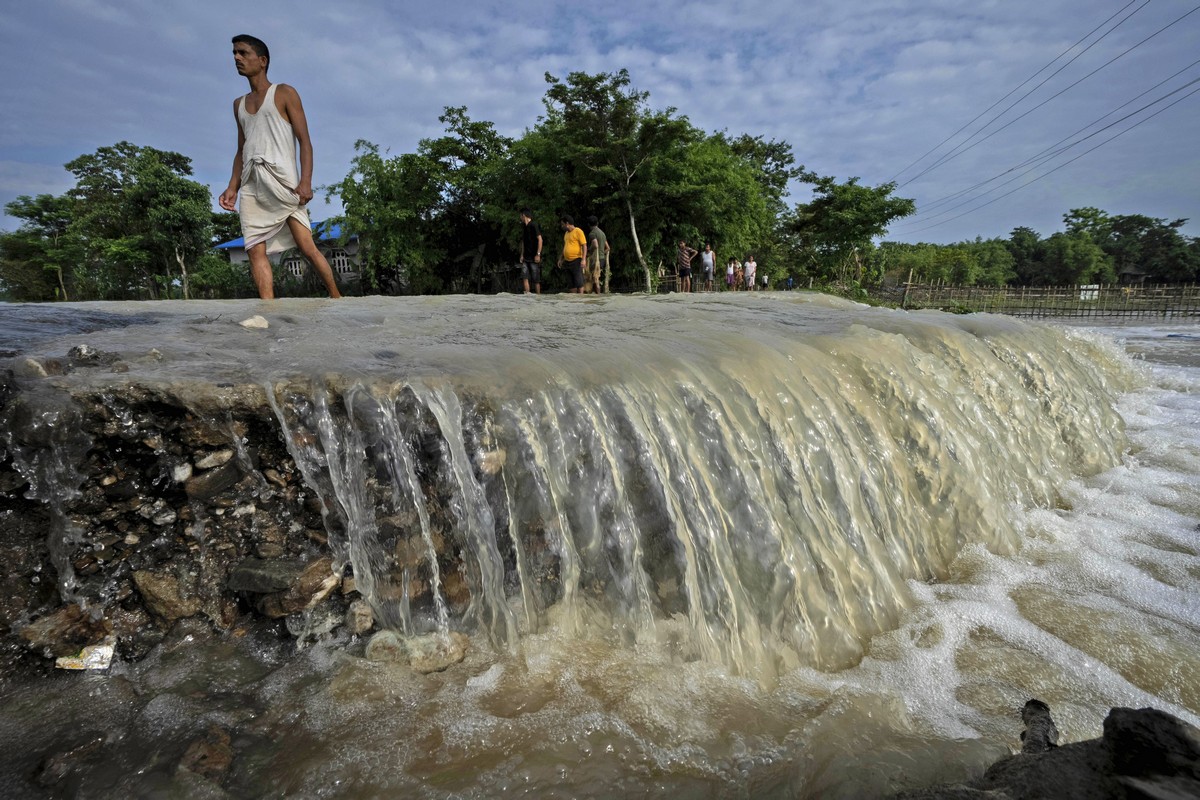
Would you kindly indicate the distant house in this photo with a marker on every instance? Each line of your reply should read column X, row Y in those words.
column 1131, row 276
column 342, row 258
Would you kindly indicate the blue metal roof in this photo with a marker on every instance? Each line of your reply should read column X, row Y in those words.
column 325, row 233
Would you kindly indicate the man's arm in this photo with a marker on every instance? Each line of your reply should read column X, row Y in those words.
column 287, row 100
column 538, row 255
column 228, row 199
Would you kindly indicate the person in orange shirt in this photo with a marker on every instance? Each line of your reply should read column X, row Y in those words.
column 573, row 253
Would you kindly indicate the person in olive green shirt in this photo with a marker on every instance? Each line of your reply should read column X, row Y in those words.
column 574, row 253
column 598, row 250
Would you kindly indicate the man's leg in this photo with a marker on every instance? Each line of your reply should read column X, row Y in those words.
column 303, row 236
column 260, row 271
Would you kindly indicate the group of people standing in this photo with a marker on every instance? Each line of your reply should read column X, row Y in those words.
column 583, row 256
column 738, row 275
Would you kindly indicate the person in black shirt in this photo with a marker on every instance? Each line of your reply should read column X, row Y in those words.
column 531, row 252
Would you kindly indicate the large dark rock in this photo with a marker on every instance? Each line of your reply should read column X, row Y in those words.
column 1144, row 753
column 265, row 575
column 1149, row 744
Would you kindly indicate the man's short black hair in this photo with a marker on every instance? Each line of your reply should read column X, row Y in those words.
column 566, row 218
column 260, row 47
column 525, row 212
column 593, row 221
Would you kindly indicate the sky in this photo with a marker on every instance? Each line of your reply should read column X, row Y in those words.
column 939, row 96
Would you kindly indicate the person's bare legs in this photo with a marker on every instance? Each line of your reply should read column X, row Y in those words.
column 260, row 271
column 304, row 241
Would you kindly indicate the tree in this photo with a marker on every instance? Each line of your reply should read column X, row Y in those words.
column 176, row 216
column 389, row 203
column 467, row 159
column 139, row 216
column 614, row 148
column 1139, row 246
column 226, row 226
column 38, row 261
column 1153, row 247
column 996, row 263
column 1027, row 250
column 1073, row 258
column 838, row 224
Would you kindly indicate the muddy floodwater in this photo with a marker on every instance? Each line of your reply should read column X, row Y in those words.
column 752, row 545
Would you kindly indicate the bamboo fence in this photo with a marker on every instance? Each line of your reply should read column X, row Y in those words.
column 1095, row 300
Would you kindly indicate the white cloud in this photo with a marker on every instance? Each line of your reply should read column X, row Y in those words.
column 858, row 88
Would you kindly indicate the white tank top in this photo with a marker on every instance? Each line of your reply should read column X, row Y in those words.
column 269, row 140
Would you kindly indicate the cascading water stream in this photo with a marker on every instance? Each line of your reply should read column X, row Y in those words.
column 775, row 495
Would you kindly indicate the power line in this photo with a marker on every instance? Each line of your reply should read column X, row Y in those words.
column 955, row 153
column 1013, row 91
column 1036, row 161
column 1050, row 152
column 1056, row 169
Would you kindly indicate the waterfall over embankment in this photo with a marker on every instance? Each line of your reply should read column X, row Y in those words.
column 752, row 479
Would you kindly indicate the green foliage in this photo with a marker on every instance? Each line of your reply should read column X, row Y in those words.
column 1141, row 247
column 1073, row 258
column 621, row 160
column 837, row 226
column 214, row 276
column 37, row 262
column 389, row 203
column 226, row 226
column 143, row 222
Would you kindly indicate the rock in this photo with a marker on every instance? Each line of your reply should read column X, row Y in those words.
column 456, row 590
column 209, row 756
column 311, row 587
column 265, row 576
column 34, row 368
column 360, row 618
column 436, row 652
column 94, row 656
column 55, row 768
column 164, row 596
column 1148, row 742
column 85, row 355
column 387, row 646
column 212, row 482
column 1144, row 753
column 1040, row 734
column 66, row 631
column 317, row 624
column 181, row 472
column 269, row 550
column 214, row 459
column 257, row 322
column 433, row 652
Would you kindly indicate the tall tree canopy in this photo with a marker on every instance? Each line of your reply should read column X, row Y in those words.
column 143, row 222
